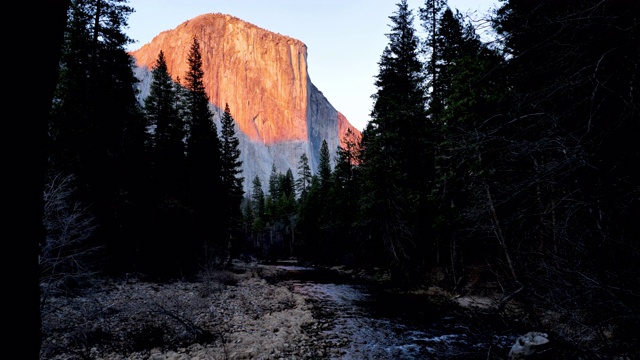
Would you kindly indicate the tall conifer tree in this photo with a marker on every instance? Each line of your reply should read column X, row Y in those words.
column 259, row 211
column 274, row 189
column 97, row 129
column 231, row 167
column 324, row 165
column 257, row 198
column 324, row 176
column 430, row 15
column 203, row 164
column 465, row 93
column 303, row 182
column 342, row 200
column 166, row 127
column 396, row 158
column 230, row 156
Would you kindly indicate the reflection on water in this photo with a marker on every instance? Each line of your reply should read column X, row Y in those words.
column 368, row 324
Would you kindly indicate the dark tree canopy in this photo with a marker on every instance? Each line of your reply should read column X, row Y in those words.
column 396, row 159
column 204, row 163
column 230, row 153
column 96, row 128
column 303, row 182
column 232, row 180
column 167, row 128
column 324, row 164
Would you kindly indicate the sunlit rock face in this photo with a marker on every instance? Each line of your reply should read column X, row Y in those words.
column 263, row 77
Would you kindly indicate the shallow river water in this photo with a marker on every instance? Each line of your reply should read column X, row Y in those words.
column 371, row 324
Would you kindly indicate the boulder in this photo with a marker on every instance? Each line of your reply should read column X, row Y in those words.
column 528, row 345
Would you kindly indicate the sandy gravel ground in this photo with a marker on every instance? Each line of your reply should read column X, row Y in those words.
column 238, row 314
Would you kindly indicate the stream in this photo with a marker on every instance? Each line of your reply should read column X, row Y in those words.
column 368, row 323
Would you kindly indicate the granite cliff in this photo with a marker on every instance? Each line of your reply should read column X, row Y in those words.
column 263, row 77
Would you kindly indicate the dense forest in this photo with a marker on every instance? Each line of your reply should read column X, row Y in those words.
column 517, row 155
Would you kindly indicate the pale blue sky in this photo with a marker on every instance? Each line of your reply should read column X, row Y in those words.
column 344, row 38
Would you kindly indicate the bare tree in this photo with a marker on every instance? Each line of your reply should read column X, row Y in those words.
column 69, row 225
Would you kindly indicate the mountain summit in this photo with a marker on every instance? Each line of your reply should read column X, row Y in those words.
column 263, row 77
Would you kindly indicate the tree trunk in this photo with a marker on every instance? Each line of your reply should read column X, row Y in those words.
column 29, row 206
column 497, row 230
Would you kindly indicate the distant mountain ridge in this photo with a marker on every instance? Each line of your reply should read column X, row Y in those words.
column 263, row 77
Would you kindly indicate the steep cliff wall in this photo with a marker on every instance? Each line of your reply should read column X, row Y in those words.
column 263, row 77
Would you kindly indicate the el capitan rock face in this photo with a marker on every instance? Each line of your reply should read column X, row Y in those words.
column 263, row 77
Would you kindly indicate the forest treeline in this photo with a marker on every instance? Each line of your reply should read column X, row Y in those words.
column 518, row 154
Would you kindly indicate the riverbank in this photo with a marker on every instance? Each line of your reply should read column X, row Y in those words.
column 251, row 311
column 235, row 314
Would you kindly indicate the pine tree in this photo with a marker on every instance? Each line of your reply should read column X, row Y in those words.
column 343, row 203
column 203, row 165
column 325, row 226
column 203, row 136
column 166, row 127
column 231, row 178
column 274, row 189
column 324, row 165
column 97, row 130
column 287, row 184
column 446, row 52
column 466, row 93
column 248, row 220
column 396, row 159
column 430, row 16
column 257, row 197
column 273, row 193
column 230, row 156
column 346, row 167
column 288, row 211
column 303, row 182
column 167, row 130
column 258, row 227
column 280, row 209
column 95, row 106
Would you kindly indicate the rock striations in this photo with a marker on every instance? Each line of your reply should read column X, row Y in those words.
column 263, row 77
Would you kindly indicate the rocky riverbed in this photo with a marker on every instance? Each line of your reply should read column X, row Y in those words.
column 252, row 311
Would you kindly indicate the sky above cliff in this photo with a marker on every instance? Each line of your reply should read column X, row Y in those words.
column 344, row 38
